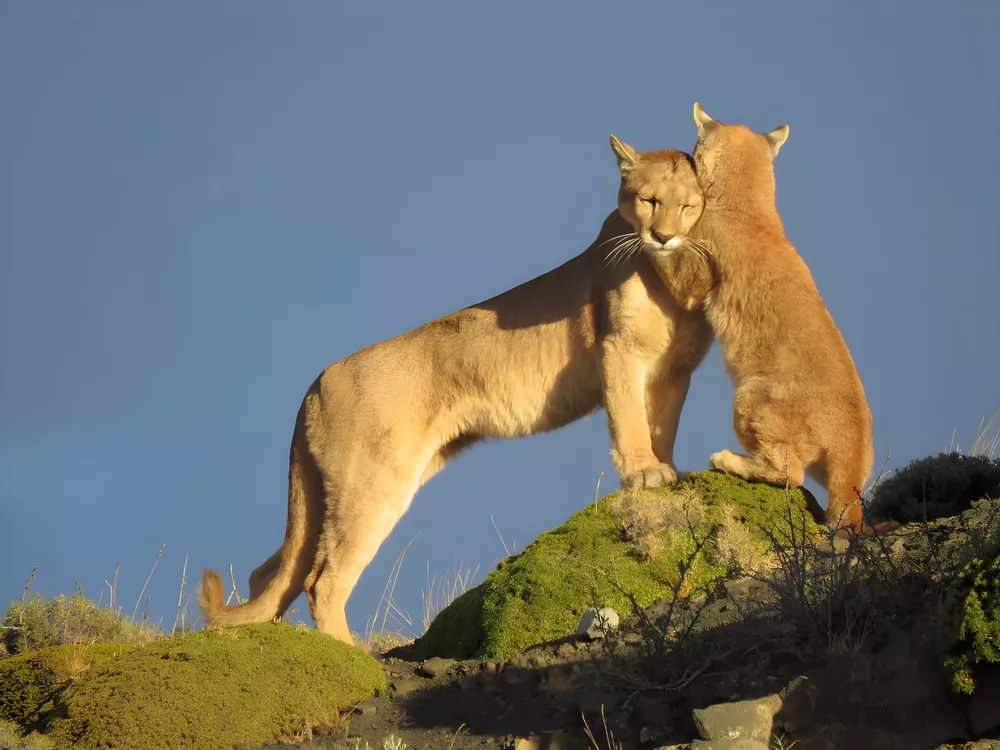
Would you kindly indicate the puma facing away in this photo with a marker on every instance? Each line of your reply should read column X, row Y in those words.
column 599, row 330
column 799, row 404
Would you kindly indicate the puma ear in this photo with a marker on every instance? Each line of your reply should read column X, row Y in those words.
column 626, row 155
column 776, row 139
column 702, row 119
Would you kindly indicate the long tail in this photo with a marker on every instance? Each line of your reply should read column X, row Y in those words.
column 297, row 551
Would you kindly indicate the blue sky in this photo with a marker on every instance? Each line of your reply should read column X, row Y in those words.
column 204, row 204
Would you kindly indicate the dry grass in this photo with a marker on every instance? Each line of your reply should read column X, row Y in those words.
column 609, row 736
column 443, row 589
column 650, row 518
column 737, row 547
column 320, row 718
column 987, row 440
column 73, row 663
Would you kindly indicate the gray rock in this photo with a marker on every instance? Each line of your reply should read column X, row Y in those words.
column 740, row 743
column 436, row 666
column 405, row 685
column 595, row 622
column 741, row 720
column 798, row 704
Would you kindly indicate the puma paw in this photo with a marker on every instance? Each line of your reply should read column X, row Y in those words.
column 723, row 461
column 655, row 475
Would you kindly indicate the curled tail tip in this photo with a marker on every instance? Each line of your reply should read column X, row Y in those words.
column 211, row 595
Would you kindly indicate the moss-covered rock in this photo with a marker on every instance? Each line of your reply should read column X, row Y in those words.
column 978, row 617
column 935, row 487
column 248, row 685
column 540, row 594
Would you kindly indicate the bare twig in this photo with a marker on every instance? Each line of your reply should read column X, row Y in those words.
column 24, row 593
column 507, row 551
column 460, row 728
column 597, row 491
column 132, row 620
column 28, row 584
column 180, row 596
column 234, row 592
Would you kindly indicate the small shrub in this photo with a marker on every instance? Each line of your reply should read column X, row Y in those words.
column 978, row 640
column 652, row 521
column 936, row 486
column 38, row 623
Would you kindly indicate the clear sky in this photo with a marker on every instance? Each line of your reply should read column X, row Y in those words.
column 204, row 204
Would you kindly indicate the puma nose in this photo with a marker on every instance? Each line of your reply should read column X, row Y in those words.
column 663, row 239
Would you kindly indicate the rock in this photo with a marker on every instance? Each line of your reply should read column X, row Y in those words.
column 652, row 711
column 435, row 666
column 740, row 720
column 553, row 741
column 798, row 704
column 528, row 743
column 740, row 743
column 596, row 622
column 405, row 685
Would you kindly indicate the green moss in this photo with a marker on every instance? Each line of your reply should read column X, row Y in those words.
column 11, row 738
column 978, row 637
column 248, row 685
column 33, row 683
column 540, row 594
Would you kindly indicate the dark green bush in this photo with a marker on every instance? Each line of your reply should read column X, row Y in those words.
column 934, row 487
column 978, row 638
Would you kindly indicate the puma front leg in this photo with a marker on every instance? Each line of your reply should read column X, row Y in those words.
column 664, row 402
column 625, row 399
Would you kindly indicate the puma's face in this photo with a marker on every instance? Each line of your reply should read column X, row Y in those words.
column 659, row 196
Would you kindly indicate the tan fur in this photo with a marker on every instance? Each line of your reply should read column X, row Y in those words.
column 799, row 405
column 599, row 330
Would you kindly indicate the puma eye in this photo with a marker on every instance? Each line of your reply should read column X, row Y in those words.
column 649, row 201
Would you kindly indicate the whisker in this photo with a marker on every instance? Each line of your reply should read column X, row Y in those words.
column 699, row 248
column 619, row 248
column 633, row 249
column 618, row 237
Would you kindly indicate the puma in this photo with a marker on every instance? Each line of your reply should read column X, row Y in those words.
column 799, row 405
column 599, row 330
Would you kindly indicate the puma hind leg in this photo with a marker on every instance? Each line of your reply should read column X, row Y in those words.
column 263, row 574
column 357, row 522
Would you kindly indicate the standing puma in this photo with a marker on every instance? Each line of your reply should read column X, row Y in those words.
column 799, row 403
column 599, row 330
